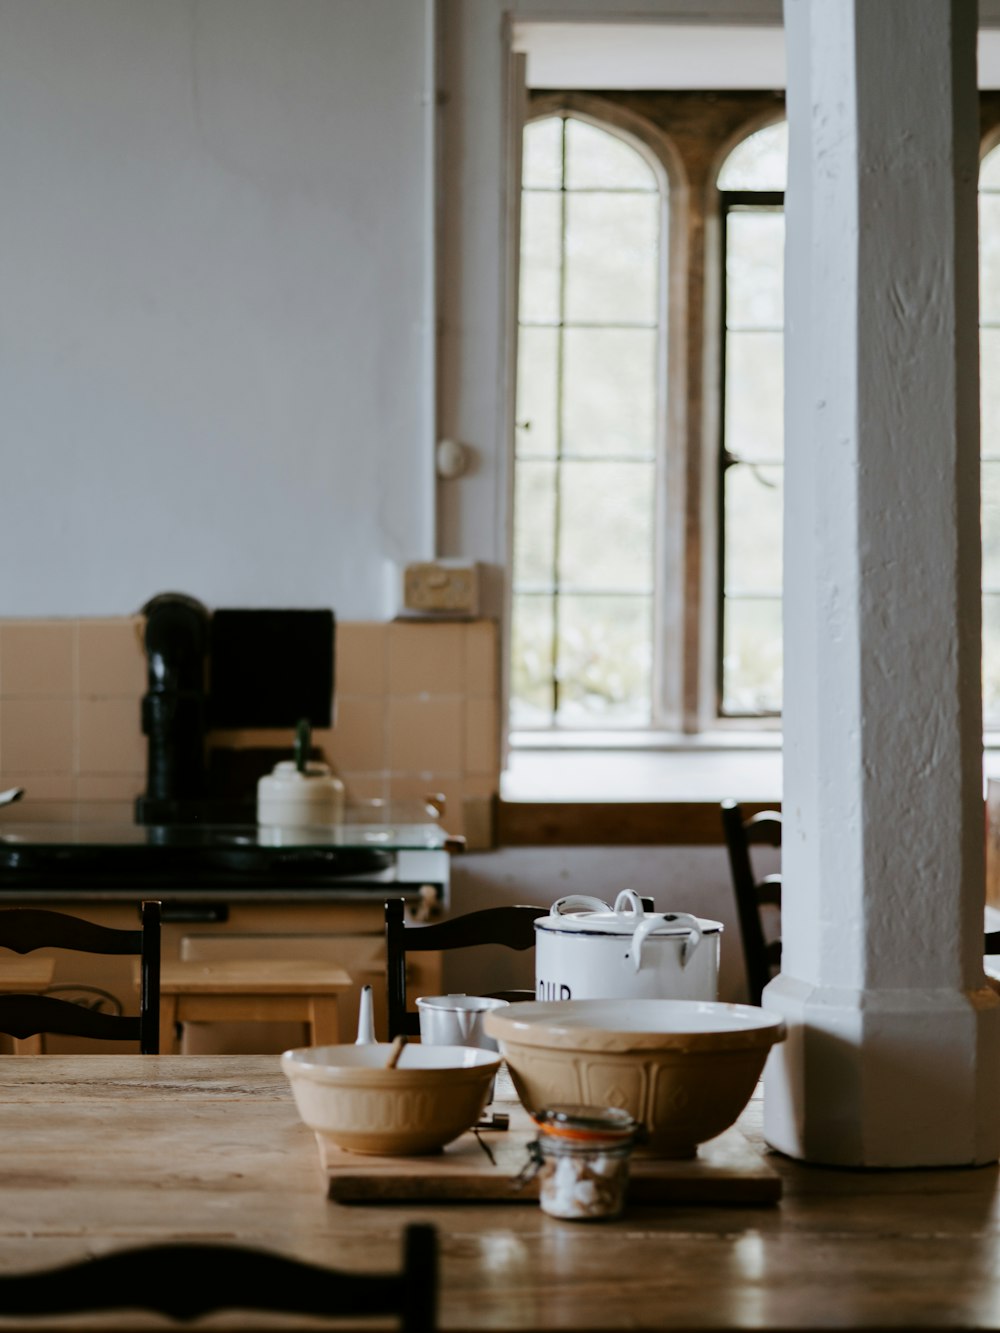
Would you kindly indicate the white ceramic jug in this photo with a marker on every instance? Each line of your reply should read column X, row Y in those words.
column 366, row 1018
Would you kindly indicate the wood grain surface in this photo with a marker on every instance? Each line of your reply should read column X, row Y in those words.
column 103, row 1150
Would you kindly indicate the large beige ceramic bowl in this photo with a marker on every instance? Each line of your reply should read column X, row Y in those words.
column 684, row 1068
column 350, row 1100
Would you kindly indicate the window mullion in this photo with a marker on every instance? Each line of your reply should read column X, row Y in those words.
column 560, row 414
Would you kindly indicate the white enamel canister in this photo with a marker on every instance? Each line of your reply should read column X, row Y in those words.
column 586, row 950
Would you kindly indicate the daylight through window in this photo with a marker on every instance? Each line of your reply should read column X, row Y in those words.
column 586, row 454
column 595, row 600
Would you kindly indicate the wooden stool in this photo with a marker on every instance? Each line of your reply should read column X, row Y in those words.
column 302, row 990
column 21, row 974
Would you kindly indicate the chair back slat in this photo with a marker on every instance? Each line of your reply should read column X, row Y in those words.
column 28, row 1015
column 218, row 1276
column 513, row 927
column 23, row 929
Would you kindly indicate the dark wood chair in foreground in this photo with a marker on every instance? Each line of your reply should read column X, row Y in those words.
column 512, row 926
column 753, row 894
column 26, row 1017
column 186, row 1281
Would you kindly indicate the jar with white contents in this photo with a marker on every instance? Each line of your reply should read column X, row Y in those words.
column 582, row 1156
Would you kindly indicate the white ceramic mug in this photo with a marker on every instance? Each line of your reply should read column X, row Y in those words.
column 456, row 1020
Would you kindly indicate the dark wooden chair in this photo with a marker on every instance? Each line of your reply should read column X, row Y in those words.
column 511, row 926
column 23, row 929
column 186, row 1281
column 761, row 951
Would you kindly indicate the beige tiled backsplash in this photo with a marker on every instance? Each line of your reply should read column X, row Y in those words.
column 416, row 712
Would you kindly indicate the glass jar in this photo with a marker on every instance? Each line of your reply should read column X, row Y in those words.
column 582, row 1157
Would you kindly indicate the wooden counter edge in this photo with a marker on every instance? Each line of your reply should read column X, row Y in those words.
column 613, row 824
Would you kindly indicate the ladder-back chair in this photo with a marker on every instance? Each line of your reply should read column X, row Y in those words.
column 753, row 893
column 26, row 1017
column 510, row 926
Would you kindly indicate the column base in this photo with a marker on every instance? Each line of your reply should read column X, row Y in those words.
column 887, row 1078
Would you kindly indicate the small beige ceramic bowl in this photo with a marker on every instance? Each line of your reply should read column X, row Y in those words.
column 684, row 1068
column 349, row 1099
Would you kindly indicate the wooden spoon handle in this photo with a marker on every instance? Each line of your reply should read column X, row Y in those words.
column 396, row 1052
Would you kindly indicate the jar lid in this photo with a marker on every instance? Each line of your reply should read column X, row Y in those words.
column 586, row 1123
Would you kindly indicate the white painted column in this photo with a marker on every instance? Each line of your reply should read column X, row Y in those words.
column 893, row 1055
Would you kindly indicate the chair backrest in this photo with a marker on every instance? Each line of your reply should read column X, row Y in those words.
column 186, row 1281
column 761, row 955
column 510, row 926
column 23, row 929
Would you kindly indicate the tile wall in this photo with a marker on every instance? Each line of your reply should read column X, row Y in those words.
column 416, row 712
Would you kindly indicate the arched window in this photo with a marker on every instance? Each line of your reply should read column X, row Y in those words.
column 589, row 408
column 751, row 185
column 989, row 370
column 613, row 608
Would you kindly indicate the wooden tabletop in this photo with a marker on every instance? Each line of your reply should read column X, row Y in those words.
column 101, row 1151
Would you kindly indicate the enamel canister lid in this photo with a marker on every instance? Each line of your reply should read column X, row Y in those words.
column 583, row 915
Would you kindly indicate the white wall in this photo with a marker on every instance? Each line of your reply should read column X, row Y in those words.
column 217, row 358
column 217, row 300
column 215, row 322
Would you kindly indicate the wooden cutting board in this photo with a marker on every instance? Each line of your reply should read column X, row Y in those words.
column 728, row 1169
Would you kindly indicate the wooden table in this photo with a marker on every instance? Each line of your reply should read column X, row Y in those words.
column 100, row 1151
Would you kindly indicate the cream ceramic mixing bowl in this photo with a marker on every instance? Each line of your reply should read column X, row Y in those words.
column 349, row 1099
column 684, row 1068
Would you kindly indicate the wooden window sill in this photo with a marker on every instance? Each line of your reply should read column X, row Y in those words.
column 613, row 823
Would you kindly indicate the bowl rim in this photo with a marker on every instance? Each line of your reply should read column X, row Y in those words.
column 312, row 1060
column 562, row 1024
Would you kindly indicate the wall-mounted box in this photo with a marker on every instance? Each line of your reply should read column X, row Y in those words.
column 443, row 588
